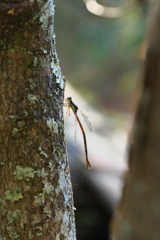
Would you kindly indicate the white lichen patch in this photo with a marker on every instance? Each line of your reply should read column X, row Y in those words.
column 65, row 218
column 64, row 215
column 42, row 152
column 51, row 166
column 13, row 116
column 35, row 62
column 56, row 67
column 47, row 12
column 57, row 71
column 52, row 125
column 44, row 51
column 46, row 19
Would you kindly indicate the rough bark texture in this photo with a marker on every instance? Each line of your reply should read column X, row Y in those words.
column 138, row 216
column 35, row 190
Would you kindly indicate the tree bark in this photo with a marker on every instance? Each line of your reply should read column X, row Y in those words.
column 35, row 193
column 138, row 216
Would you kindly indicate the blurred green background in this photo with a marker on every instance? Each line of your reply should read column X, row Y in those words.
column 99, row 56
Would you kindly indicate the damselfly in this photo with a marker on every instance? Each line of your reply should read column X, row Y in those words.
column 74, row 108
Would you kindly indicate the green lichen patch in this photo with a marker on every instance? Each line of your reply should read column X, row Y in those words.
column 32, row 83
column 21, row 124
column 35, row 62
column 1, row 44
column 32, row 98
column 13, row 216
column 15, row 131
column 57, row 237
column 3, row 207
column 39, row 199
column 1, row 163
column 12, row 50
column 42, row 173
column 30, row 234
column 5, row 75
column 10, row 164
column 13, row 195
column 12, row 233
column 26, row 188
column 26, row 173
column 38, row 231
column 48, row 191
column 48, row 213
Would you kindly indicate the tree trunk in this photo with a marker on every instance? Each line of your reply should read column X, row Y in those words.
column 138, row 216
column 35, row 193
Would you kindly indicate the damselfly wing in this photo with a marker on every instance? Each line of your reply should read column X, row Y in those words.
column 74, row 108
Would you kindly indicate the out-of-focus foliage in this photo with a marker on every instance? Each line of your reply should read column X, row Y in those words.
column 99, row 56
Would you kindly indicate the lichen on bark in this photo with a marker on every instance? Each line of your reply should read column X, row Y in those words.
column 35, row 193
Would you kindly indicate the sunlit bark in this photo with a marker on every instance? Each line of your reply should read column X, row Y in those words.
column 35, row 190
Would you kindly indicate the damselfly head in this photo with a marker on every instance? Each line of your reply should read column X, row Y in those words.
column 68, row 100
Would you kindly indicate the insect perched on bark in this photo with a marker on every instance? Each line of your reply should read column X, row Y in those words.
column 74, row 108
